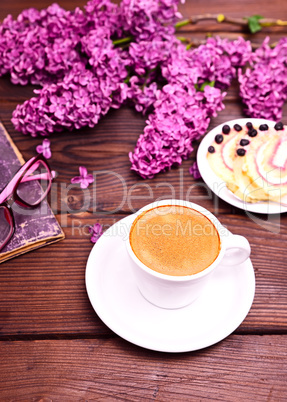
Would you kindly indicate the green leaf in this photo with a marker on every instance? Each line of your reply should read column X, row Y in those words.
column 202, row 86
column 254, row 24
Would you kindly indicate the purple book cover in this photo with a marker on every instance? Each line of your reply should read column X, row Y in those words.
column 34, row 228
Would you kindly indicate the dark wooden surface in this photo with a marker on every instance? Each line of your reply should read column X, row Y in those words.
column 54, row 347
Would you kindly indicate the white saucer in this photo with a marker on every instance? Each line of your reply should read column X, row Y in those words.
column 218, row 186
column 118, row 302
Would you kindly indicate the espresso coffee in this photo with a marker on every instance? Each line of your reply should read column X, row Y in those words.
column 174, row 240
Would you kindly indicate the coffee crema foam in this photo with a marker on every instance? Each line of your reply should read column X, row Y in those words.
column 175, row 240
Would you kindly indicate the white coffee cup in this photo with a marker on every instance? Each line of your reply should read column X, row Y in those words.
column 173, row 292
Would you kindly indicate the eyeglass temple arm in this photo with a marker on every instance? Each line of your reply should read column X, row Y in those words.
column 10, row 187
column 44, row 176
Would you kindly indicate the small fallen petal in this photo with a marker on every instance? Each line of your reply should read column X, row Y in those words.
column 44, row 149
column 83, row 171
column 84, row 182
column 96, row 232
column 76, row 180
column 193, row 170
column 84, row 179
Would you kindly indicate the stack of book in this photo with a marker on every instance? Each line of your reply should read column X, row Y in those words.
column 34, row 228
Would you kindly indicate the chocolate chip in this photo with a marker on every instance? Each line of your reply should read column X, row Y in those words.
column 244, row 142
column 226, row 129
column 279, row 126
column 249, row 125
column 218, row 138
column 252, row 132
column 237, row 127
column 241, row 152
column 211, row 149
column 263, row 127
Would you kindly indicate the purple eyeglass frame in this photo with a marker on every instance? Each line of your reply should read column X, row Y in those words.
column 10, row 191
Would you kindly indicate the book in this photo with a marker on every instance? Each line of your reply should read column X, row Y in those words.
column 36, row 227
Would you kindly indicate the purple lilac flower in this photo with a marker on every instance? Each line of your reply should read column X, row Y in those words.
column 145, row 75
column 72, row 55
column 181, row 113
column 178, row 119
column 214, row 61
column 239, row 51
column 96, row 232
column 79, row 100
column 266, row 55
column 214, row 64
column 263, row 86
column 144, row 18
column 69, row 104
column 146, row 55
column 108, row 63
column 44, row 149
column 85, row 93
column 103, row 13
column 151, row 24
column 263, row 91
column 193, row 170
column 142, row 98
column 40, row 46
column 84, row 179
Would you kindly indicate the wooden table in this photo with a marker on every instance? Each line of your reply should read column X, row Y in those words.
column 53, row 345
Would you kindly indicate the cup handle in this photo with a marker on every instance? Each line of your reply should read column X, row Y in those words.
column 237, row 250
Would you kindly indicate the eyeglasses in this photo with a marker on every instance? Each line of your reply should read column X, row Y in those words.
column 24, row 189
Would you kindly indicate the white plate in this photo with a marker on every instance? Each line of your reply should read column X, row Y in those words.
column 117, row 301
column 218, row 186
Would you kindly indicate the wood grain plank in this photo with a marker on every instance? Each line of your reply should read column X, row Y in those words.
column 238, row 368
column 240, row 8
